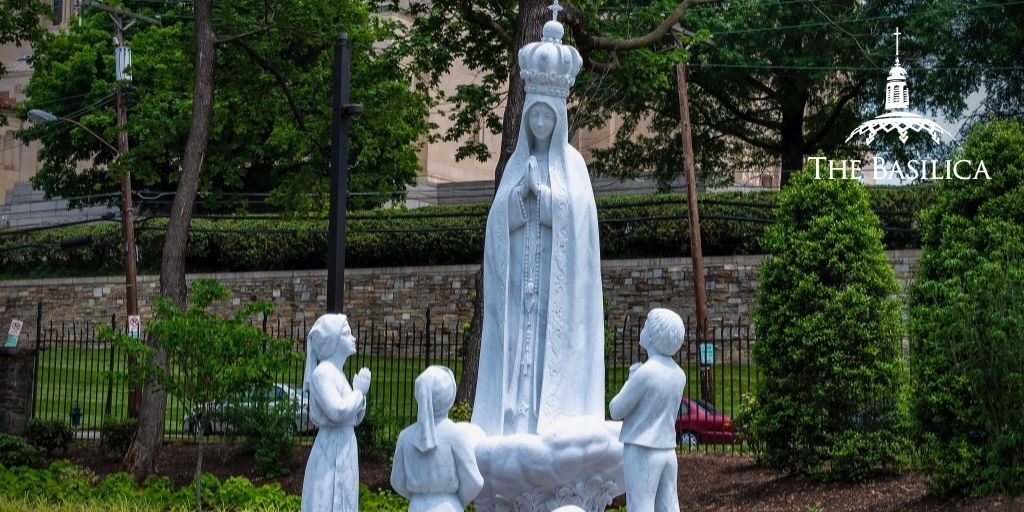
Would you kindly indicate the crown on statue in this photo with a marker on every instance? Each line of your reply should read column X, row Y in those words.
column 549, row 67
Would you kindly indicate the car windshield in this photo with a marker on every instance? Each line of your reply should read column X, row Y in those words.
column 704, row 405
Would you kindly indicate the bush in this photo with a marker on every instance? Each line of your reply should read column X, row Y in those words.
column 830, row 403
column 631, row 227
column 63, row 482
column 966, row 321
column 15, row 452
column 377, row 435
column 268, row 432
column 116, row 436
column 49, row 435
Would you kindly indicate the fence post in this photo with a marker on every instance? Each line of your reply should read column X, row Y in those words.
column 109, row 405
column 35, row 369
column 426, row 337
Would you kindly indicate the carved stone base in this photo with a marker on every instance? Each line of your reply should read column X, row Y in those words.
column 578, row 464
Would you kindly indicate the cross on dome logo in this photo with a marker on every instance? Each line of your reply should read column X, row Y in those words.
column 897, row 114
column 899, row 118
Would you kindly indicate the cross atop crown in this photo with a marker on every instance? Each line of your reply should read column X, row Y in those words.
column 555, row 8
column 897, row 34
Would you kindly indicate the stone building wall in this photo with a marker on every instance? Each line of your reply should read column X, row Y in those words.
column 394, row 295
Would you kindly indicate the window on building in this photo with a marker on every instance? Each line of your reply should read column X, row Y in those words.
column 58, row 12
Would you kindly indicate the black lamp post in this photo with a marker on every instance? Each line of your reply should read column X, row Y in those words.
column 341, row 112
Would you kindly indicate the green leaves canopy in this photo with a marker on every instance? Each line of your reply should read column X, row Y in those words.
column 271, row 119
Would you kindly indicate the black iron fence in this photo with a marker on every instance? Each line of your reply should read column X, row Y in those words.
column 77, row 375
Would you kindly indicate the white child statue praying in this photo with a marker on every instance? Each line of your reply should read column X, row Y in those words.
column 647, row 406
column 435, row 465
column 331, row 482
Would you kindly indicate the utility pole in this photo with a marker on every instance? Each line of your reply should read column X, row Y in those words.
column 122, row 60
column 696, row 253
column 341, row 112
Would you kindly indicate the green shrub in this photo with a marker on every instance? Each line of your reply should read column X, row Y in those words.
column 15, row 452
column 831, row 400
column 49, row 435
column 63, row 482
column 966, row 321
column 461, row 412
column 632, row 226
column 378, row 434
column 116, row 436
column 268, row 431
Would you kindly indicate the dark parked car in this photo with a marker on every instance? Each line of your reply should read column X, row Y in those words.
column 698, row 423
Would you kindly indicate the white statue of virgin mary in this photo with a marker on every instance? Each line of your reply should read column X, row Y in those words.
column 542, row 354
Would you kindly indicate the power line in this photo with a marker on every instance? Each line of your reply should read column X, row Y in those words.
column 860, row 20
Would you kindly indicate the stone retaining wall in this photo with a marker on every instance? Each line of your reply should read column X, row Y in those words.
column 391, row 295
column 16, row 367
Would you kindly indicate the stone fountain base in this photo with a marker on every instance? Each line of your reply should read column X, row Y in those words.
column 578, row 464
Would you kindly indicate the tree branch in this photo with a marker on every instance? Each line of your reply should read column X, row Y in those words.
column 575, row 18
column 486, row 22
column 834, row 115
column 282, row 82
column 235, row 37
column 739, row 134
column 738, row 112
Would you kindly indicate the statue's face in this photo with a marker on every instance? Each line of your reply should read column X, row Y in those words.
column 542, row 120
column 346, row 341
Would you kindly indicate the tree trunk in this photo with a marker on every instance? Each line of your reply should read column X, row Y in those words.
column 529, row 27
column 142, row 454
column 792, row 137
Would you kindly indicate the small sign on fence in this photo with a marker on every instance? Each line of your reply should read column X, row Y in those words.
column 134, row 326
column 707, row 354
column 13, row 333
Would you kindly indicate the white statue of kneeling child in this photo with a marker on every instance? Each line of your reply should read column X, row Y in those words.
column 331, row 482
column 435, row 464
column 647, row 405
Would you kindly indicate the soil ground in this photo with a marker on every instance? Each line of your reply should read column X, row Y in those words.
column 707, row 482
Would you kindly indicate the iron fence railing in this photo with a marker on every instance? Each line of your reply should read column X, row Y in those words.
column 75, row 374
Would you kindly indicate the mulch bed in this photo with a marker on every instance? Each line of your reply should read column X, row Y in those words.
column 707, row 482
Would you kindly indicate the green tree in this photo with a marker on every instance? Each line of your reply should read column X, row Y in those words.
column 966, row 320
column 20, row 23
column 269, row 128
column 831, row 403
column 211, row 357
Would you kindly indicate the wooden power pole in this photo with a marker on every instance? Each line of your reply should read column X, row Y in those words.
column 696, row 253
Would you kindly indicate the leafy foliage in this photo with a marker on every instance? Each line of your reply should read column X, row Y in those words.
column 268, row 431
column 830, row 403
column 15, row 452
column 377, row 437
column 116, row 436
column 631, row 227
column 966, row 319
column 278, row 144
column 20, row 23
column 63, row 482
column 50, row 435
column 210, row 357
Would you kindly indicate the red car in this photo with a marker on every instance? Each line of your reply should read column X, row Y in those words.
column 698, row 423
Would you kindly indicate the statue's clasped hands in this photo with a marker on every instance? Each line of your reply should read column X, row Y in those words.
column 533, row 183
column 361, row 382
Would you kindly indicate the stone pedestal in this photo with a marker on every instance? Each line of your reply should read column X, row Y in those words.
column 578, row 464
column 17, row 367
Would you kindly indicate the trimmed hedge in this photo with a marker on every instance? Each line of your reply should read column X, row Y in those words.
column 631, row 227
column 831, row 400
column 966, row 323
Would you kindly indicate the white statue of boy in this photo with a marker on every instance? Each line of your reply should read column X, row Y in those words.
column 435, row 465
column 647, row 406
